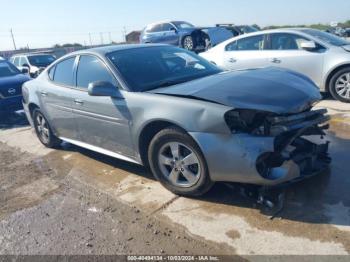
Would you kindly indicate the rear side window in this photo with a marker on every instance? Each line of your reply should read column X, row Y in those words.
column 155, row 28
column 253, row 43
column 64, row 72
column 91, row 69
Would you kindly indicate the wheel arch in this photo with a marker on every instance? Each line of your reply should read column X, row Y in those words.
column 32, row 107
column 332, row 73
column 148, row 132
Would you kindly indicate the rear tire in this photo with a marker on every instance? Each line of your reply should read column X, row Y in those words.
column 44, row 131
column 188, row 43
column 178, row 164
column 339, row 85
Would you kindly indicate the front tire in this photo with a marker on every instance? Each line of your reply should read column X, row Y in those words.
column 178, row 164
column 44, row 131
column 339, row 85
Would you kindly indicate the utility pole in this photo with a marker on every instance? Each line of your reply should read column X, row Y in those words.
column 124, row 33
column 101, row 36
column 90, row 39
column 13, row 39
column 110, row 37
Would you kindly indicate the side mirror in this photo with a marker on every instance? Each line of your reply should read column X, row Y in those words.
column 103, row 88
column 25, row 65
column 308, row 45
column 25, row 70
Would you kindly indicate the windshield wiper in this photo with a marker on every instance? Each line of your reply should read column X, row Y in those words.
column 166, row 83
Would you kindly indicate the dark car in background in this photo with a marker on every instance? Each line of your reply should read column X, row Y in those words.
column 239, row 29
column 35, row 62
column 185, row 35
column 11, row 80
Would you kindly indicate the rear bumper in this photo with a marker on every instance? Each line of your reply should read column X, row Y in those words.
column 11, row 104
column 238, row 158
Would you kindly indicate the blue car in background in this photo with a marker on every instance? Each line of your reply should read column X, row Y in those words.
column 185, row 35
column 11, row 80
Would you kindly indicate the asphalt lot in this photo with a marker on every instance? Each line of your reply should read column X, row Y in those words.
column 74, row 201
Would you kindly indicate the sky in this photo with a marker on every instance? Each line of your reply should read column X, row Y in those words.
column 43, row 23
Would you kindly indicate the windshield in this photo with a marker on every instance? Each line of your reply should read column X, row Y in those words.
column 247, row 29
column 183, row 25
column 7, row 69
column 41, row 60
column 153, row 67
column 326, row 37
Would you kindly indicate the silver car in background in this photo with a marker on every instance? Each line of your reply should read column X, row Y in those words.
column 169, row 109
column 323, row 57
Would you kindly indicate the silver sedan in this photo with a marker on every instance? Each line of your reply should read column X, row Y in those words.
column 323, row 57
column 173, row 111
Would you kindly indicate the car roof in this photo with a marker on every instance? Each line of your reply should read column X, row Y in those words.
column 299, row 30
column 109, row 49
column 31, row 54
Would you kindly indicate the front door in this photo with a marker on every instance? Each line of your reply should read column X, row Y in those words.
column 170, row 34
column 103, row 122
column 285, row 51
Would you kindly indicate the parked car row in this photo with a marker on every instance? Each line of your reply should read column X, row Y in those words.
column 323, row 57
column 34, row 63
column 339, row 31
column 186, row 35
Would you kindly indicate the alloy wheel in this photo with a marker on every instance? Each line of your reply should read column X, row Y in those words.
column 43, row 128
column 188, row 43
column 342, row 85
column 179, row 164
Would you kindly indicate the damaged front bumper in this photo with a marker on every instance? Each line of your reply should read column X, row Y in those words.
column 285, row 156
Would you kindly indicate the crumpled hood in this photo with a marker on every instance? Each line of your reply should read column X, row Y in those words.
column 268, row 89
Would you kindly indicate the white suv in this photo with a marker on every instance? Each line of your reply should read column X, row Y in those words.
column 35, row 63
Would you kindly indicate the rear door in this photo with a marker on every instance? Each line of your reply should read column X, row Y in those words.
column 102, row 121
column 56, row 97
column 245, row 53
column 284, row 51
column 154, row 34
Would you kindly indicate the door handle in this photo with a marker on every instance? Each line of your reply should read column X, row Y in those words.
column 232, row 60
column 43, row 93
column 275, row 60
column 78, row 102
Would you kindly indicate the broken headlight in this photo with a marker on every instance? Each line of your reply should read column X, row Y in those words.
column 247, row 121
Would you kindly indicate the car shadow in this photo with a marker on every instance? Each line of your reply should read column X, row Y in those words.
column 314, row 200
